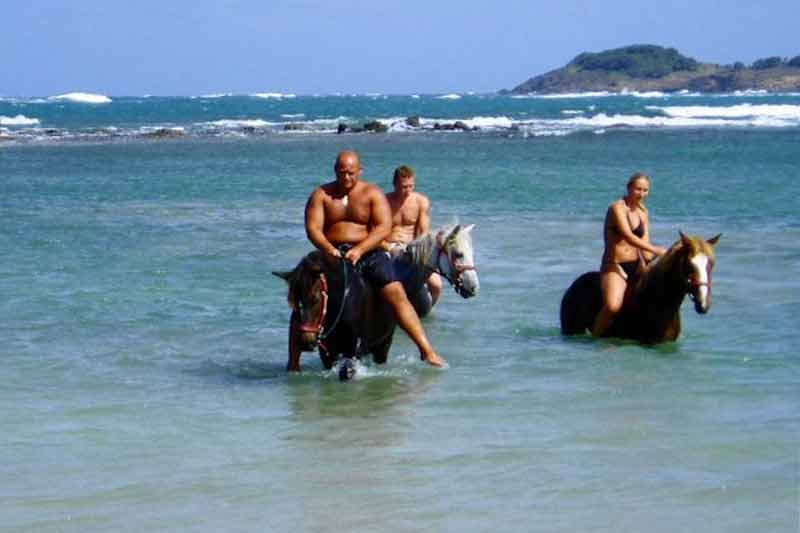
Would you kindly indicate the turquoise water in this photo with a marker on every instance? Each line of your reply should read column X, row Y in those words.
column 144, row 339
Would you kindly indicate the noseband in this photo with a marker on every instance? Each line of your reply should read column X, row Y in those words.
column 693, row 284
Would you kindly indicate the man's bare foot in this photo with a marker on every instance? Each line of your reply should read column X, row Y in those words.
column 434, row 359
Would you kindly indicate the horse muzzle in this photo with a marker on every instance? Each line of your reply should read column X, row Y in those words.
column 309, row 340
column 700, row 293
column 466, row 284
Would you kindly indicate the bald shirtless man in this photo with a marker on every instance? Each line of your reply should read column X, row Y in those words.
column 355, row 212
column 411, row 217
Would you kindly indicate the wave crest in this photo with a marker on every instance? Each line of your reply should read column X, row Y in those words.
column 83, row 98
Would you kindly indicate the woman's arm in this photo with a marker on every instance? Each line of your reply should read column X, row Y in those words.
column 621, row 222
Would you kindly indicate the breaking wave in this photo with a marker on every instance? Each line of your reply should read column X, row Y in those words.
column 82, row 98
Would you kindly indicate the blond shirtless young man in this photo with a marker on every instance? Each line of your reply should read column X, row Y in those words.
column 411, row 217
column 354, row 212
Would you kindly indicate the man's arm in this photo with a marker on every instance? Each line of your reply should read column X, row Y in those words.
column 424, row 218
column 315, row 223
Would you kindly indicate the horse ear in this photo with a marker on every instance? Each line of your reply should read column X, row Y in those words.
column 285, row 276
column 453, row 233
column 713, row 240
column 684, row 238
column 468, row 228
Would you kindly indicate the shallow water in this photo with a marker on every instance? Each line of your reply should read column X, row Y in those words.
column 144, row 341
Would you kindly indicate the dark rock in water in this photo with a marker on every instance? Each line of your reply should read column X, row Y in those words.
column 293, row 127
column 450, row 126
column 341, row 128
column 162, row 133
column 347, row 369
column 376, row 126
column 414, row 122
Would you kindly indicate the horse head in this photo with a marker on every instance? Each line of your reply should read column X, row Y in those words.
column 308, row 297
column 697, row 266
column 456, row 261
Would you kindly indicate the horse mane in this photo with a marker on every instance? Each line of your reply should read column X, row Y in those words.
column 420, row 249
column 300, row 278
column 665, row 266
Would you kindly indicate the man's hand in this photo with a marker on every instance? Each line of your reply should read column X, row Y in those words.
column 353, row 254
column 334, row 252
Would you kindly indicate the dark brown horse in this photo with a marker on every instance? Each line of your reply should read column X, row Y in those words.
column 337, row 312
column 651, row 310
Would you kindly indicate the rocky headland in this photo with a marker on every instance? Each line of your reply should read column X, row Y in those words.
column 654, row 68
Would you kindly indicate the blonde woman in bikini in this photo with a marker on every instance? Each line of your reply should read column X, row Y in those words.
column 627, row 248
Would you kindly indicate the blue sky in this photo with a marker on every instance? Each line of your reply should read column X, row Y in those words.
column 181, row 47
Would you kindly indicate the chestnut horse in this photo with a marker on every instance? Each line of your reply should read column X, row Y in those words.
column 336, row 311
column 650, row 312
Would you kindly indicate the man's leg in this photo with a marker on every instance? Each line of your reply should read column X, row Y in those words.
column 407, row 318
column 435, row 287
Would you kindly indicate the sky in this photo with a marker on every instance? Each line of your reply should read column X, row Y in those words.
column 182, row 47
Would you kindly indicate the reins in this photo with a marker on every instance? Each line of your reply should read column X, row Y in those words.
column 318, row 326
column 325, row 334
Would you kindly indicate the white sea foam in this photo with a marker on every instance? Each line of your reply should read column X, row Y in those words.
column 415, row 96
column 637, row 121
column 571, row 112
column 213, row 95
column 489, row 122
column 293, row 115
column 83, row 98
column 590, row 94
column 240, row 123
column 779, row 111
column 450, row 96
column 645, row 94
column 276, row 96
column 19, row 120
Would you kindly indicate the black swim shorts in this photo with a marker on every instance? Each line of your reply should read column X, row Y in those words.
column 377, row 268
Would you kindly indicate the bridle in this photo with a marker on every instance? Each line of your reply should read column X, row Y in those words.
column 459, row 268
column 693, row 284
column 318, row 326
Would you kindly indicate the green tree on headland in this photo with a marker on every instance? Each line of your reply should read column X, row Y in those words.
column 767, row 62
column 637, row 61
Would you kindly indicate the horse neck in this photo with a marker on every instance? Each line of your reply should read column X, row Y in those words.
column 663, row 285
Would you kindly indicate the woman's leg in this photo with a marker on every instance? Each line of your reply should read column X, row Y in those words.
column 612, row 285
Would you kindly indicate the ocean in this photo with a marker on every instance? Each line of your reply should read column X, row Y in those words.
column 143, row 337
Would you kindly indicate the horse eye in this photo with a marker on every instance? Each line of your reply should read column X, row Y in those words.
column 458, row 255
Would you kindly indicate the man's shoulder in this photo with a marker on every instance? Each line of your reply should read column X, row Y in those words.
column 421, row 199
column 371, row 189
column 326, row 189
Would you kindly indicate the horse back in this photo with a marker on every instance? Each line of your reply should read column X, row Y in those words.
column 580, row 304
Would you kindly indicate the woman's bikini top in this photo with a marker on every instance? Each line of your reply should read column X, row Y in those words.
column 638, row 230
